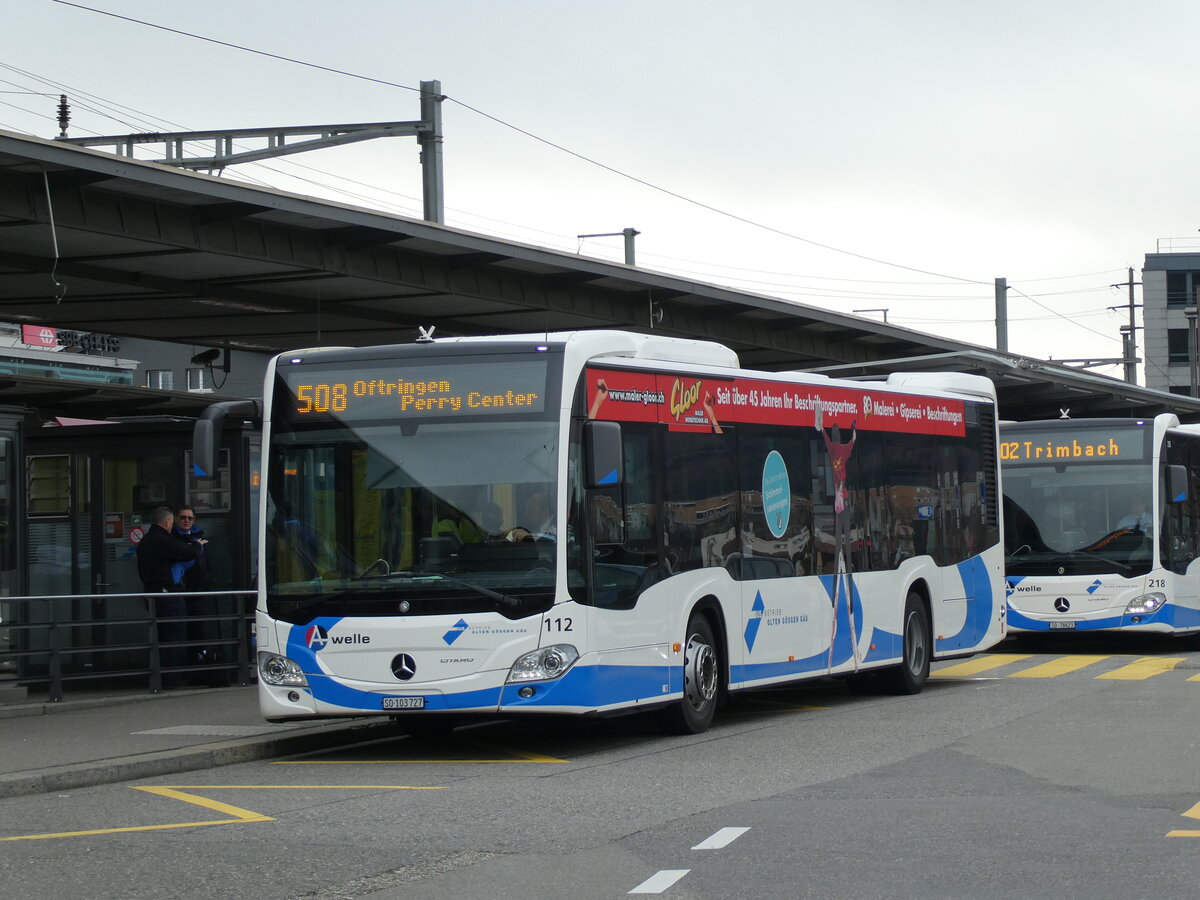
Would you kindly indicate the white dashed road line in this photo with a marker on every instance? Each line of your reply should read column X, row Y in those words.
column 663, row 879
column 722, row 838
column 660, row 881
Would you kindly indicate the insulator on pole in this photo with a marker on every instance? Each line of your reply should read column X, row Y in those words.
column 64, row 115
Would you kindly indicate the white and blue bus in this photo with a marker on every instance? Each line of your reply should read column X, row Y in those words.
column 603, row 522
column 1102, row 524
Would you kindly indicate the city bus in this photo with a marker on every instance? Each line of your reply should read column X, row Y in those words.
column 1102, row 525
column 608, row 522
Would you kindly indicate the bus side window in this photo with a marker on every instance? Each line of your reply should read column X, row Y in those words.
column 760, row 548
column 701, row 499
column 622, row 570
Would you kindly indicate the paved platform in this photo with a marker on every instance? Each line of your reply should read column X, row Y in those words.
column 103, row 739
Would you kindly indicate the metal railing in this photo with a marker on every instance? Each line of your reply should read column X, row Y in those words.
column 87, row 639
column 1178, row 245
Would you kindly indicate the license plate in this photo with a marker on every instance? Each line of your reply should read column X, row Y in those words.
column 1055, row 626
column 403, row 702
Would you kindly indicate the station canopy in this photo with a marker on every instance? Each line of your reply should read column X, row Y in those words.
column 94, row 242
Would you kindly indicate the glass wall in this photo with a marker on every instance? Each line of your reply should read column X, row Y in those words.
column 10, row 541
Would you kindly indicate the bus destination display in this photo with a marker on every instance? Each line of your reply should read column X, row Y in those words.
column 1082, row 446
column 390, row 391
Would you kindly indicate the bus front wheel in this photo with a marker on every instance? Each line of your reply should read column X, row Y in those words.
column 701, row 682
column 910, row 676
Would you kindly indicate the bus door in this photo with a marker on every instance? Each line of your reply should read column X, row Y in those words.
column 786, row 622
column 1179, row 490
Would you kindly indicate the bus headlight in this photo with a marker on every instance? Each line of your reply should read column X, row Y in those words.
column 1147, row 603
column 279, row 670
column 543, row 664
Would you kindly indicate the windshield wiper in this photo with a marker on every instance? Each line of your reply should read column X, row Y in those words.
column 1051, row 557
column 503, row 599
column 308, row 602
column 1120, row 566
column 431, row 578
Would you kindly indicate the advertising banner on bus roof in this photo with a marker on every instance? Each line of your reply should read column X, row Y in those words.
column 698, row 402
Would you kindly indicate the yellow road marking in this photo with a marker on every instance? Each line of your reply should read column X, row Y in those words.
column 777, row 706
column 1194, row 678
column 1193, row 813
column 530, row 757
column 404, row 762
column 175, row 793
column 517, row 756
column 1056, row 667
column 1146, row 667
column 240, row 816
column 306, row 787
column 981, row 664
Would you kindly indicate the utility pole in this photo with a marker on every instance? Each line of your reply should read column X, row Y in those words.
column 1002, row 315
column 1130, row 342
column 429, row 138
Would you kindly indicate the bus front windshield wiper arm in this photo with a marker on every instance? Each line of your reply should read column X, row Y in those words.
column 309, row 602
column 502, row 599
column 1086, row 554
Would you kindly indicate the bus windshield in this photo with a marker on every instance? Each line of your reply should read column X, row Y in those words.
column 1081, row 515
column 408, row 515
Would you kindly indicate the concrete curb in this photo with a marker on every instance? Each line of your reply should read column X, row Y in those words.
column 190, row 759
column 46, row 708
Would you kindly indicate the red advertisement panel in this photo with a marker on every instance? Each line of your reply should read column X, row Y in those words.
column 701, row 403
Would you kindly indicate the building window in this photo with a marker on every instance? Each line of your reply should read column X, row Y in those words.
column 162, row 379
column 200, row 379
column 1181, row 288
column 1177, row 346
column 1182, row 389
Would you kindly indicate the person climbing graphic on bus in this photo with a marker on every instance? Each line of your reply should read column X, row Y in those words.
column 710, row 411
column 839, row 456
column 601, row 396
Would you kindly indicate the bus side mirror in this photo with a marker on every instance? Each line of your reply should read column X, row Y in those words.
column 1177, row 484
column 206, row 435
column 603, row 444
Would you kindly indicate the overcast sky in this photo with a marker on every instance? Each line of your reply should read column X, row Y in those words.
column 867, row 155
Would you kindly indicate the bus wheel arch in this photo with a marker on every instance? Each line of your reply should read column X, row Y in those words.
column 705, row 672
column 916, row 644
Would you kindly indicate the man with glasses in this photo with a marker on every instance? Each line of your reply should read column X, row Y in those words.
column 196, row 576
column 161, row 557
column 193, row 575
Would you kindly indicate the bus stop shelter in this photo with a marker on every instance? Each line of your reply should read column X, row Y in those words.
column 96, row 242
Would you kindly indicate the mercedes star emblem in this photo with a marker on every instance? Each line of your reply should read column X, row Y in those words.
column 404, row 666
column 1062, row 604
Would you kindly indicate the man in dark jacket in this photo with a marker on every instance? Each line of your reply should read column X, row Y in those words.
column 158, row 552
column 196, row 576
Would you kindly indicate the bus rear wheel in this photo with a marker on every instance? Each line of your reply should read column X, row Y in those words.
column 701, row 682
column 910, row 676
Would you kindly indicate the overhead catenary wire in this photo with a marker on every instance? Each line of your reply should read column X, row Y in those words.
column 582, row 157
column 577, row 155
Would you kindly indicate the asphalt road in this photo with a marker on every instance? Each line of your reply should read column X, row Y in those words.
column 1063, row 770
